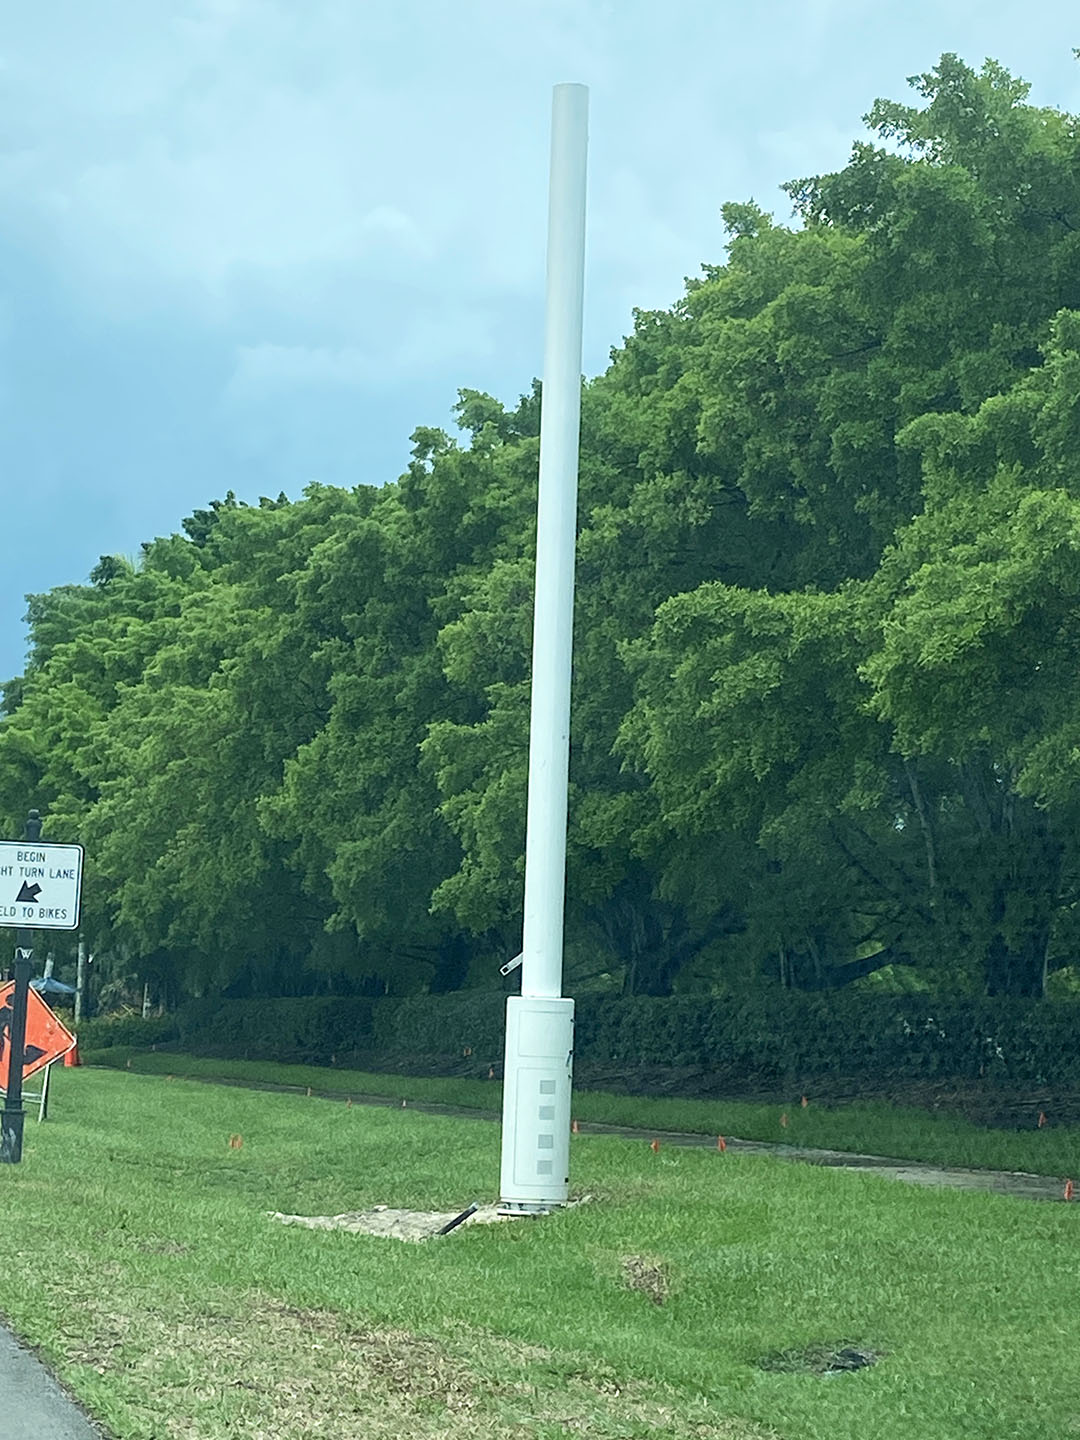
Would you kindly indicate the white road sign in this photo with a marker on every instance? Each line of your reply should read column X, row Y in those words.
column 40, row 885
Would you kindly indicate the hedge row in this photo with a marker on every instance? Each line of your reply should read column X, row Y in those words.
column 779, row 1037
column 784, row 1036
column 105, row 1031
column 311, row 1029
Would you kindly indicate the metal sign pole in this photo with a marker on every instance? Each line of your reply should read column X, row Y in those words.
column 80, row 983
column 11, row 1121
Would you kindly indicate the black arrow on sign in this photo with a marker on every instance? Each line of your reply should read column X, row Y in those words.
column 28, row 894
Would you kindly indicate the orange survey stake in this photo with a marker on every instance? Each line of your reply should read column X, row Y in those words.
column 47, row 1037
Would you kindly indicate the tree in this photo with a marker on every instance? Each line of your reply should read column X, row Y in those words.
column 824, row 712
column 893, row 765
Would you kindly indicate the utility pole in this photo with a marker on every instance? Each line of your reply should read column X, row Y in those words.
column 540, row 1022
column 80, row 982
column 13, row 1116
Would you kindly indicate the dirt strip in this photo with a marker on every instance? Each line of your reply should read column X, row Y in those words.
column 915, row 1172
column 1017, row 1183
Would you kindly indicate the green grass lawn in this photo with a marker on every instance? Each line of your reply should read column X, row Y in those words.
column 140, row 1257
column 872, row 1128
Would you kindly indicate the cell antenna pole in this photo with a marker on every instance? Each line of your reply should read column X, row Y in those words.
column 540, row 1022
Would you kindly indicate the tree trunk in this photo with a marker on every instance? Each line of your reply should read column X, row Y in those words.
column 1017, row 971
column 927, row 830
column 1018, row 966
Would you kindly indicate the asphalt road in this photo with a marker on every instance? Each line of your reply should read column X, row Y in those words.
column 32, row 1404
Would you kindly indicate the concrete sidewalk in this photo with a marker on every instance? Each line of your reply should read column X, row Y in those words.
column 32, row 1404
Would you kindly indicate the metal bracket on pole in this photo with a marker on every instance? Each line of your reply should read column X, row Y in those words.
column 511, row 964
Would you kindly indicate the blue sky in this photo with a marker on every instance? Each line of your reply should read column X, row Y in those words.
column 248, row 244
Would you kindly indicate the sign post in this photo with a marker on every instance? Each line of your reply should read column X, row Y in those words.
column 40, row 888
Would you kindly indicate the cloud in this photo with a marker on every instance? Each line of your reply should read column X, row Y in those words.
column 424, row 341
column 254, row 135
column 265, row 371
column 276, row 192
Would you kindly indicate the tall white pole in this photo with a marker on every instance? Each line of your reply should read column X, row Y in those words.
column 553, row 614
column 539, row 1023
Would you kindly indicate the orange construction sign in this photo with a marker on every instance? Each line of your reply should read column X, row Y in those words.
column 47, row 1037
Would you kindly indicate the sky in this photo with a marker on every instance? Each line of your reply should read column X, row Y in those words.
column 251, row 244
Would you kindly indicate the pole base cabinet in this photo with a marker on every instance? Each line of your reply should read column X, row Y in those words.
column 536, row 1104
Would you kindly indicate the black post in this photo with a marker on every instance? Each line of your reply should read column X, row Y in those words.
column 11, row 1120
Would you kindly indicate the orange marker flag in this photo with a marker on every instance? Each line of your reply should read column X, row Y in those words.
column 1068, row 1189
column 805, row 1102
column 783, row 1120
column 574, row 1129
column 1042, row 1119
column 721, row 1143
column 236, row 1142
column 654, row 1146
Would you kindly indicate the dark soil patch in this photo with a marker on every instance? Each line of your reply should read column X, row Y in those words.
column 647, row 1276
column 832, row 1359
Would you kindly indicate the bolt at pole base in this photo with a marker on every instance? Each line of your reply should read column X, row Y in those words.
column 523, row 1209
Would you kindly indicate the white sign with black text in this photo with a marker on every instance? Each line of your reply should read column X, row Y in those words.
column 40, row 885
